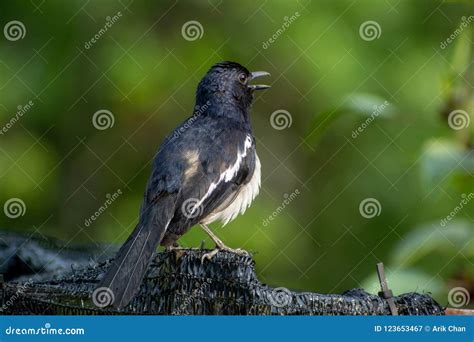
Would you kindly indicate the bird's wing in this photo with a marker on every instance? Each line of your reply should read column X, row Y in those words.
column 217, row 168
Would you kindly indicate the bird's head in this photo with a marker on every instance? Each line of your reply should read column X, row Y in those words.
column 227, row 86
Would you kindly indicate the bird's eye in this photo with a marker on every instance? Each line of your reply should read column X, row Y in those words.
column 242, row 78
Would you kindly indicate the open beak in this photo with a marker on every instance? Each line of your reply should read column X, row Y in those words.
column 256, row 74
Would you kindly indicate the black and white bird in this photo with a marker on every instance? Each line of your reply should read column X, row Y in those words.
column 207, row 170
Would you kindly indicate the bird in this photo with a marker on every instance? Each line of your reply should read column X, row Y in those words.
column 207, row 170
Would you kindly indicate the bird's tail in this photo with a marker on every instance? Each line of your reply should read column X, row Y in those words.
column 123, row 278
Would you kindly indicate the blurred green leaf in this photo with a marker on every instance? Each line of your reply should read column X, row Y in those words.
column 462, row 52
column 368, row 106
column 431, row 239
column 441, row 159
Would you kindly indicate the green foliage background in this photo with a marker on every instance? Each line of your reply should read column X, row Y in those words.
column 323, row 73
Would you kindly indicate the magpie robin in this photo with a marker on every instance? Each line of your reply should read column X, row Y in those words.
column 207, row 170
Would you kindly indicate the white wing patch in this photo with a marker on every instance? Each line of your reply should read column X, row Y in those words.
column 242, row 201
column 228, row 174
column 244, row 198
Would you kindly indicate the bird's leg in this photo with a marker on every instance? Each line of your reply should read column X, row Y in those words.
column 219, row 245
column 214, row 238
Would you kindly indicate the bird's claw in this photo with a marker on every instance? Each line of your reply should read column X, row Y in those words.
column 211, row 254
column 239, row 251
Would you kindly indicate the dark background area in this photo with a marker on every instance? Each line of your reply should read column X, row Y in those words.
column 408, row 160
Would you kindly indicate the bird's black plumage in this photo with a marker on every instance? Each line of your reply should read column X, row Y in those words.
column 206, row 170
